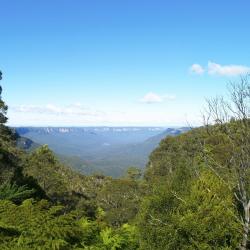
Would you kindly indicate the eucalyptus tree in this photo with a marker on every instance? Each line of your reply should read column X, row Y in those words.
column 230, row 118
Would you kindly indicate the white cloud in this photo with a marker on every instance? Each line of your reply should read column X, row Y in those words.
column 72, row 115
column 72, row 109
column 227, row 70
column 221, row 70
column 197, row 69
column 151, row 98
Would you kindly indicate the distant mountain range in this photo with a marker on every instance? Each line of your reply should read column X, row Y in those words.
column 109, row 150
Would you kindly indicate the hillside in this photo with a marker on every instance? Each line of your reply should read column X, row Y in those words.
column 46, row 205
column 26, row 143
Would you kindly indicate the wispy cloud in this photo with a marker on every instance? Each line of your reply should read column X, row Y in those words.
column 220, row 70
column 197, row 69
column 79, row 115
column 227, row 70
column 72, row 109
column 151, row 98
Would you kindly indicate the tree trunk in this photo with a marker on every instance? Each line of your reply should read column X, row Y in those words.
column 246, row 226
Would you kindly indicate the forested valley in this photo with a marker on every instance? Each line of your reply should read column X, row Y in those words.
column 194, row 193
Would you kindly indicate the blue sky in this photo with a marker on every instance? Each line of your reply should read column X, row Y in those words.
column 81, row 63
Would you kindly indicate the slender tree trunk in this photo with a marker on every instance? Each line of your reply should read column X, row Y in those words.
column 246, row 226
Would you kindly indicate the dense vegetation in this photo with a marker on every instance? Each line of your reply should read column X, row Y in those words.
column 194, row 193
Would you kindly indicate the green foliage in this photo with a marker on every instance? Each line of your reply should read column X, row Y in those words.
column 39, row 226
column 10, row 169
column 5, row 132
column 91, row 231
column 204, row 217
column 14, row 192
column 172, row 153
column 156, row 223
column 134, row 173
column 208, row 217
column 59, row 182
column 190, row 207
column 120, row 200
column 43, row 165
column 124, row 239
column 98, row 236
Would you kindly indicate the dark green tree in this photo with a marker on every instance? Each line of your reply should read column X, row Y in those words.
column 120, row 200
column 3, row 107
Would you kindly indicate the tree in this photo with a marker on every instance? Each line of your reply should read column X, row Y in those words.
column 189, row 213
column 37, row 225
column 3, row 107
column 208, row 218
column 9, row 167
column 231, row 119
column 120, row 200
column 5, row 132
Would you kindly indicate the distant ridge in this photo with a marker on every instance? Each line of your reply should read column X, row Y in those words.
column 109, row 150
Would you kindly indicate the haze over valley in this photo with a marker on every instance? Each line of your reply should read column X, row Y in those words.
column 107, row 150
